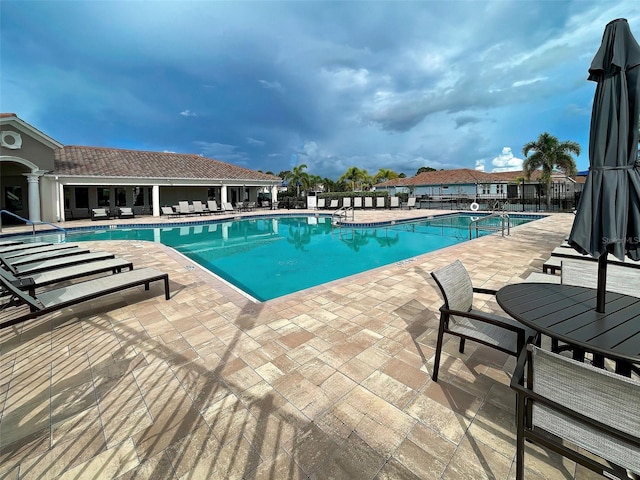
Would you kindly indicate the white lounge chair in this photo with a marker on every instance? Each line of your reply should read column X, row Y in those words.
column 213, row 206
column 321, row 203
column 394, row 202
column 23, row 246
column 410, row 203
column 380, row 202
column 368, row 202
column 184, row 209
column 334, row 204
column 199, row 208
column 346, row 202
column 169, row 212
column 357, row 202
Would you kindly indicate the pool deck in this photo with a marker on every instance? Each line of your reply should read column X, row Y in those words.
column 330, row 382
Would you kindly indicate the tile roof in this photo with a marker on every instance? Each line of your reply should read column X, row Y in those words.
column 113, row 162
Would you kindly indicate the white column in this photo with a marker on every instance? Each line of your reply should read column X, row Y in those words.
column 223, row 194
column 60, row 201
column 155, row 194
column 33, row 186
column 274, row 197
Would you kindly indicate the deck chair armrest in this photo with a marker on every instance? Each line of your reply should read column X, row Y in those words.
column 488, row 291
column 483, row 318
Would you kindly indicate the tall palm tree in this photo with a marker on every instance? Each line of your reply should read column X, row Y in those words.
column 549, row 153
column 298, row 177
column 353, row 175
column 384, row 174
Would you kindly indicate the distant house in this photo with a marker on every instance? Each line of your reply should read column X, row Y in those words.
column 43, row 180
column 475, row 184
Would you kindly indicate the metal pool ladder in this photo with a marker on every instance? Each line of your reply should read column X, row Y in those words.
column 341, row 215
column 504, row 221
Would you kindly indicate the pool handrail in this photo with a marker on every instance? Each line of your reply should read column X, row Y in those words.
column 504, row 218
column 29, row 222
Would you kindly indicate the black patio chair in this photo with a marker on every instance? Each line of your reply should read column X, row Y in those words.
column 459, row 318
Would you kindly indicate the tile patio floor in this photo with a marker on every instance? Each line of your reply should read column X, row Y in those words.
column 332, row 382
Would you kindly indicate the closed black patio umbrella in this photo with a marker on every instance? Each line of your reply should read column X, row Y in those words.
column 608, row 215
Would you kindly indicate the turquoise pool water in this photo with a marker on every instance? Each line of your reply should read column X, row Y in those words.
column 268, row 257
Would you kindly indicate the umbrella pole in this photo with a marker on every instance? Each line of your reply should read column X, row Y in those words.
column 602, row 282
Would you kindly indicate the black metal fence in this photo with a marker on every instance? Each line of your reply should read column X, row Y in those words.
column 530, row 197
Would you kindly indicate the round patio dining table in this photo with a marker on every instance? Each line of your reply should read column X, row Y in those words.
column 568, row 313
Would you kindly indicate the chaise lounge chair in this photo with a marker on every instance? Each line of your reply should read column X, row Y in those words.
column 39, row 249
column 380, row 202
column 23, row 246
column 368, row 202
column 357, row 202
column 22, row 260
column 184, row 209
column 168, row 212
column 199, row 209
column 53, row 263
column 50, row 277
column 213, row 206
column 410, row 203
column 59, row 298
column 394, row 202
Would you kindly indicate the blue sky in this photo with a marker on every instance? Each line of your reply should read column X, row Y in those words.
column 269, row 85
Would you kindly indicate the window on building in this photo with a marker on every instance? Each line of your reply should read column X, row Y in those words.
column 138, row 196
column 103, row 197
column 500, row 189
column 82, row 197
column 121, row 197
column 13, row 198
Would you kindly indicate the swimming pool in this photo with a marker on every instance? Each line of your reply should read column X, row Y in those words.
column 268, row 257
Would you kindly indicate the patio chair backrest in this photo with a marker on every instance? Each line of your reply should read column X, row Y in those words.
column 334, row 203
column 583, row 273
column 368, row 202
column 394, row 202
column 321, row 202
column 227, row 207
column 411, row 202
column 357, row 202
column 455, row 285
column 5, row 280
column 599, row 395
column 346, row 202
column 167, row 210
column 380, row 202
column 212, row 205
column 197, row 206
column 184, row 207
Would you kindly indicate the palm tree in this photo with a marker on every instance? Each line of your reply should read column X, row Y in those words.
column 549, row 153
column 297, row 176
column 353, row 175
column 383, row 175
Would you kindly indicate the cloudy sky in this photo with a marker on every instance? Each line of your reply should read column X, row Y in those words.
column 269, row 85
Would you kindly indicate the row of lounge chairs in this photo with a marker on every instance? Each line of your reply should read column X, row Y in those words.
column 28, row 270
column 198, row 208
column 367, row 202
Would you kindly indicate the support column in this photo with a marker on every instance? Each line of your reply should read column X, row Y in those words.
column 274, row 197
column 60, row 201
column 33, row 192
column 223, row 194
column 155, row 194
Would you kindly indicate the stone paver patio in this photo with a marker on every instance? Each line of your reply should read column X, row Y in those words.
column 331, row 382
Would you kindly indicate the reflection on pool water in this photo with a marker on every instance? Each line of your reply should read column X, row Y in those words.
column 268, row 257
